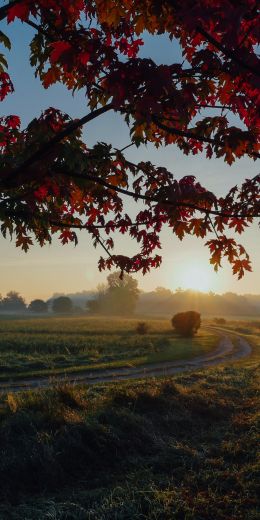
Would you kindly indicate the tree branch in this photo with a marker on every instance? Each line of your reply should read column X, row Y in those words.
column 46, row 147
column 182, row 133
column 97, row 226
column 220, row 107
column 100, row 241
column 147, row 198
column 191, row 135
column 68, row 225
column 39, row 29
column 227, row 52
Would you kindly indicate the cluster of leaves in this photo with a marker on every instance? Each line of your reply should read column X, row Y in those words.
column 51, row 182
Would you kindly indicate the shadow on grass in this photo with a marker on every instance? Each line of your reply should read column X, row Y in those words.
column 51, row 439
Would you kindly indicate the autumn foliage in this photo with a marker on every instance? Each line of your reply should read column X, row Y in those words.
column 52, row 182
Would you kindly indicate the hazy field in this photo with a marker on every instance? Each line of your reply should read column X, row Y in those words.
column 52, row 345
column 182, row 448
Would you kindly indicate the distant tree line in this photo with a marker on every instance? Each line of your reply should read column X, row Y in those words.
column 122, row 297
column 118, row 297
column 13, row 302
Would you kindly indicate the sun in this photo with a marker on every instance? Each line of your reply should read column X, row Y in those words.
column 195, row 277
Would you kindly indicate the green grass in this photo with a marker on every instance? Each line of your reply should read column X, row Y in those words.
column 181, row 448
column 51, row 346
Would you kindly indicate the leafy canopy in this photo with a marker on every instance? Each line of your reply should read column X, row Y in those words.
column 51, row 182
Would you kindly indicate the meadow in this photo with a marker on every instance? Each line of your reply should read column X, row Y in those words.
column 55, row 345
column 179, row 448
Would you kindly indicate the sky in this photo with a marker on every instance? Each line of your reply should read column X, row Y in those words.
column 65, row 269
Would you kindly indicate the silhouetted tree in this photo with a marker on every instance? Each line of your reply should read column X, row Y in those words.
column 120, row 296
column 13, row 302
column 186, row 323
column 38, row 306
column 62, row 305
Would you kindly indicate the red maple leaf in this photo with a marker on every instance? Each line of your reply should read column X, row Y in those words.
column 18, row 11
column 13, row 121
column 58, row 49
column 239, row 266
column 41, row 193
column 84, row 58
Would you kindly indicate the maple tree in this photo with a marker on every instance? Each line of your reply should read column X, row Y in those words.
column 52, row 182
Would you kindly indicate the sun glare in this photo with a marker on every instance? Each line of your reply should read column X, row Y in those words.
column 196, row 278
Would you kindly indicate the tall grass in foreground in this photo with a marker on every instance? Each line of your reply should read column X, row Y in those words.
column 178, row 448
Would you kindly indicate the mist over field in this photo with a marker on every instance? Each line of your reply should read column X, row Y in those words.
column 163, row 301
column 159, row 302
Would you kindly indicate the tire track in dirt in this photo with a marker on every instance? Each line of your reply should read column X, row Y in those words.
column 225, row 352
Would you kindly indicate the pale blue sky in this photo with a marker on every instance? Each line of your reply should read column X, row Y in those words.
column 58, row 268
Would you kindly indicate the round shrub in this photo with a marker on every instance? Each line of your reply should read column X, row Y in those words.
column 186, row 323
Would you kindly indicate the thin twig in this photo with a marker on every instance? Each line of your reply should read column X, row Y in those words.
column 103, row 245
column 213, row 226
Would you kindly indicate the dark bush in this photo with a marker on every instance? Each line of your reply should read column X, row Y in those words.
column 220, row 321
column 186, row 323
column 38, row 306
column 61, row 305
column 142, row 327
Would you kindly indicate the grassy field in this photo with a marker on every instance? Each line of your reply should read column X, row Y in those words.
column 49, row 346
column 182, row 448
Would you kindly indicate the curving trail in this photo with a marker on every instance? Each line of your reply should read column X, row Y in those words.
column 225, row 352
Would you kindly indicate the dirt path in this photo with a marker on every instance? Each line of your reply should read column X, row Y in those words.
column 225, row 352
